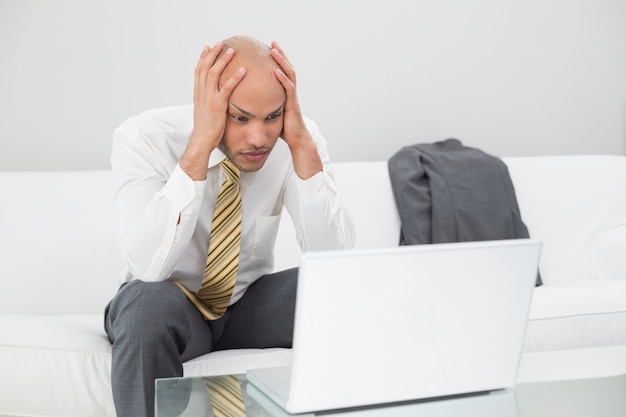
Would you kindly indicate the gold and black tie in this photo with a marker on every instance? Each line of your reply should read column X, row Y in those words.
column 220, row 273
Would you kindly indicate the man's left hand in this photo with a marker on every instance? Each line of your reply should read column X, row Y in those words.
column 303, row 150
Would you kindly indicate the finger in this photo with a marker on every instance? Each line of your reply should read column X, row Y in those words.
column 205, row 50
column 207, row 59
column 232, row 82
column 218, row 67
column 279, row 56
column 280, row 51
column 284, row 65
column 287, row 83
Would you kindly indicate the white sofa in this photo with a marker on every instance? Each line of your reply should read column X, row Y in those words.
column 60, row 267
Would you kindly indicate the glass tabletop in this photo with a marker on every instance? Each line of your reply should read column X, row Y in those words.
column 232, row 396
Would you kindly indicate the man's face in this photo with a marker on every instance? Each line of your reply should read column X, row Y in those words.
column 254, row 120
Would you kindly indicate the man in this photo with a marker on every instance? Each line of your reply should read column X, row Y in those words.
column 248, row 136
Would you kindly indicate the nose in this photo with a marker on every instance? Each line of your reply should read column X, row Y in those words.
column 257, row 134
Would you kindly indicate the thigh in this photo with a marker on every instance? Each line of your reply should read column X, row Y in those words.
column 152, row 310
column 263, row 317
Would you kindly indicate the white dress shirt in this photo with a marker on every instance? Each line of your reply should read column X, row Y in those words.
column 152, row 191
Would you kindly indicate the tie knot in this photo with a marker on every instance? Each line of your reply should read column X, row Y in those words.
column 230, row 170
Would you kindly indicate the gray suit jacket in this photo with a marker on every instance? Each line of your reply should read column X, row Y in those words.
column 447, row 192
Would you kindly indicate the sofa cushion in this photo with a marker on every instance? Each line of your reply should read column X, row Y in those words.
column 66, row 360
column 577, row 315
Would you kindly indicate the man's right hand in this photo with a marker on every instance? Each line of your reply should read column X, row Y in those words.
column 210, row 105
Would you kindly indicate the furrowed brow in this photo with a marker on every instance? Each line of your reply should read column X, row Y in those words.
column 244, row 112
column 278, row 109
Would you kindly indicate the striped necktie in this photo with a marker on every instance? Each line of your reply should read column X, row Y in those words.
column 226, row 396
column 220, row 273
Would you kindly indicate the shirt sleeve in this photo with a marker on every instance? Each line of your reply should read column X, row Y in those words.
column 156, row 210
column 320, row 218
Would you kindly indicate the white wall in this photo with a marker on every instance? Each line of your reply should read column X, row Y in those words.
column 511, row 77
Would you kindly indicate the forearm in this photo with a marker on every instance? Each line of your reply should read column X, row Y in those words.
column 314, row 204
column 156, row 222
column 320, row 218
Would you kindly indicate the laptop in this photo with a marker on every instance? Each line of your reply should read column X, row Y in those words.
column 382, row 326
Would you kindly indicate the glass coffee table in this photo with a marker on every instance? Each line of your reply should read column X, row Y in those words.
column 548, row 386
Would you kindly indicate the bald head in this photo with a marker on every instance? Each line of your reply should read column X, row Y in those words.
column 248, row 47
column 250, row 53
column 259, row 93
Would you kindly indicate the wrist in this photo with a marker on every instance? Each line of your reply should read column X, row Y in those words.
column 195, row 158
column 306, row 159
column 302, row 142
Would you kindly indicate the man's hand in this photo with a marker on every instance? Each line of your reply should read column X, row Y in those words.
column 210, row 105
column 306, row 159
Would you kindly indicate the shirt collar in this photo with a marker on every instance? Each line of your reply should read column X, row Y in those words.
column 216, row 157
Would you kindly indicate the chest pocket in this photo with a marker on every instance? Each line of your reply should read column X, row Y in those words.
column 265, row 231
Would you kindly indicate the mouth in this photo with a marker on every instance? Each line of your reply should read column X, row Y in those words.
column 255, row 155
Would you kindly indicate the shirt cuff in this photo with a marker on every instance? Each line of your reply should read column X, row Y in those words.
column 181, row 190
column 316, row 187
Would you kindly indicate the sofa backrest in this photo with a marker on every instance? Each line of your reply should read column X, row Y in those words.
column 577, row 206
column 366, row 191
column 59, row 252
column 58, row 246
